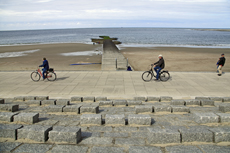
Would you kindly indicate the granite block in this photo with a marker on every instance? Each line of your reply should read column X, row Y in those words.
column 116, row 135
column 9, row 130
column 97, row 141
column 106, row 103
column 180, row 109
column 63, row 102
column 27, row 118
column 139, row 99
column 196, row 133
column 88, row 99
column 9, row 107
column 177, row 102
column 153, row 99
column 192, row 102
column 161, row 108
column 72, row 108
column 37, row 133
column 98, row 99
column 70, row 134
column 202, row 98
column 2, row 101
column 207, row 102
column 101, row 128
column 221, row 134
column 7, row 147
column 7, row 116
column 216, row 99
column 162, row 136
column 42, row 97
column 89, row 109
column 94, row 119
column 33, row 148
column 203, row 118
column 55, row 108
column 133, row 102
column 114, row 119
column 69, row 149
column 48, row 102
column 19, row 98
column 165, row 99
column 214, row 148
column 140, row 119
column 225, row 107
column 224, row 117
column 107, row 150
column 144, row 149
column 226, row 99
column 183, row 149
column 129, row 141
column 76, row 99
column 29, row 98
column 119, row 102
column 144, row 109
column 33, row 102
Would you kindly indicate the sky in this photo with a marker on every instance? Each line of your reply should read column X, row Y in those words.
column 58, row 14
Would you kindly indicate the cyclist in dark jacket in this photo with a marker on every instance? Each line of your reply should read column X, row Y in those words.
column 46, row 67
column 159, row 65
column 221, row 64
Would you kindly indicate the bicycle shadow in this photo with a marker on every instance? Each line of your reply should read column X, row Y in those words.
column 61, row 78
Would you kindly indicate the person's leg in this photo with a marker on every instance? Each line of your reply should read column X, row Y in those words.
column 220, row 70
column 158, row 71
column 43, row 73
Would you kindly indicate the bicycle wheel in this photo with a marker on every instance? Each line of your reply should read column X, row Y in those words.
column 35, row 76
column 147, row 76
column 51, row 76
column 164, row 76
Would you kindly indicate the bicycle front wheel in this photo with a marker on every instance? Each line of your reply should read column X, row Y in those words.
column 35, row 76
column 51, row 76
column 147, row 76
column 164, row 76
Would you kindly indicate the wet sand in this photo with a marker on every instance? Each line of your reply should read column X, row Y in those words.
column 176, row 58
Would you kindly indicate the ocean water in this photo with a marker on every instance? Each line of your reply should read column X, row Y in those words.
column 144, row 37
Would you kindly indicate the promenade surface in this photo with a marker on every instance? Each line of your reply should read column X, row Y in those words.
column 114, row 84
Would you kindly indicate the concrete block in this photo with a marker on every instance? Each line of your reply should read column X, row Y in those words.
column 7, row 147
column 9, row 107
column 144, row 109
column 29, row 98
column 92, row 119
column 37, row 133
column 54, row 108
column 69, row 149
column 226, row 99
column 221, row 134
column 72, row 108
column 7, row 116
column 134, row 102
column 70, row 134
column 27, row 118
column 89, row 109
column 144, row 149
column 225, row 107
column 48, row 102
column 107, row 150
column 88, row 99
column 161, row 108
column 177, row 102
column 196, row 133
column 106, row 103
column 140, row 119
column 19, row 98
column 202, row 98
column 192, row 102
column 153, row 99
column 63, row 102
column 114, row 119
column 33, row 102
column 203, row 118
column 2, row 101
column 165, row 99
column 162, row 136
column 76, row 99
column 216, row 99
column 98, row 99
column 224, row 117
column 42, row 97
column 180, row 109
column 9, row 130
column 119, row 102
column 207, row 102
column 181, row 149
column 139, row 99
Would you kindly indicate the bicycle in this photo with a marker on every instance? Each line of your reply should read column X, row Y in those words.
column 148, row 75
column 37, row 74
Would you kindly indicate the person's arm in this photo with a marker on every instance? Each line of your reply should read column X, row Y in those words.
column 42, row 64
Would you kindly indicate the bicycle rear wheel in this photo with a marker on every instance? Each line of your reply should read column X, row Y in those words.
column 35, row 76
column 164, row 76
column 147, row 76
column 51, row 76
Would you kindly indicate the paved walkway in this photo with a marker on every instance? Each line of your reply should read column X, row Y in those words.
column 119, row 84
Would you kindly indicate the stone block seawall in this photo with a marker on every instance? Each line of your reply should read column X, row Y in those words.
column 110, row 54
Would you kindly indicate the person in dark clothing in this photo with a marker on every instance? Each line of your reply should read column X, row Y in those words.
column 159, row 65
column 46, row 67
column 221, row 64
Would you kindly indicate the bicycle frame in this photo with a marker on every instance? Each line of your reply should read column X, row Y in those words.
column 47, row 72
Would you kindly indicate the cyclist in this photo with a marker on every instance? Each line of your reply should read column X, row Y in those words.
column 46, row 67
column 159, row 65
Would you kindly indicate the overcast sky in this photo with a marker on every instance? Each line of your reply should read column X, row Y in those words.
column 55, row 14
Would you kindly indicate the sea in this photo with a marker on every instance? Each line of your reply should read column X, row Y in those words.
column 130, row 37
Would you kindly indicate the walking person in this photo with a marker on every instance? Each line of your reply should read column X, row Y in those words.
column 46, row 67
column 159, row 65
column 221, row 64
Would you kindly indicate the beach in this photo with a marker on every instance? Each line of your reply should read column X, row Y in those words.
column 62, row 55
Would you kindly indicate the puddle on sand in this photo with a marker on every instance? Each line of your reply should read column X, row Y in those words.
column 17, row 54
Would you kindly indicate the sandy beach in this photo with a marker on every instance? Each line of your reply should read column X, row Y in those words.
column 176, row 58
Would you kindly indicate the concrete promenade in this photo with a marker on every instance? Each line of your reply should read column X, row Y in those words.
column 114, row 84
